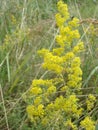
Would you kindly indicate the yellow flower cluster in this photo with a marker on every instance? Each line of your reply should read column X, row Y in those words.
column 36, row 112
column 15, row 38
column 58, row 51
column 69, row 124
column 78, row 48
column 55, row 98
column 75, row 74
column 74, row 23
column 88, row 124
column 90, row 101
column 36, row 90
column 71, row 105
column 13, row 19
column 52, row 62
column 63, row 14
column 40, row 85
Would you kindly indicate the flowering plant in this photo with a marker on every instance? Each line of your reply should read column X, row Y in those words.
column 54, row 102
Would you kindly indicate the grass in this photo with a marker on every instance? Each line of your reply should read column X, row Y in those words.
column 25, row 27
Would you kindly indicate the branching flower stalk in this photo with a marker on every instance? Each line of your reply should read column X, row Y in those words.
column 53, row 102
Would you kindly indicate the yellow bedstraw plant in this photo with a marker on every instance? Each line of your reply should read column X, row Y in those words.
column 54, row 102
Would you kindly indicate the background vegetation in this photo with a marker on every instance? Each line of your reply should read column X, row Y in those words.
column 25, row 27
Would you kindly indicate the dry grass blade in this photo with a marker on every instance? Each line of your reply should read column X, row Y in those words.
column 4, row 108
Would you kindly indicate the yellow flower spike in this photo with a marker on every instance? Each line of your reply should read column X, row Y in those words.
column 64, row 78
column 63, row 9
